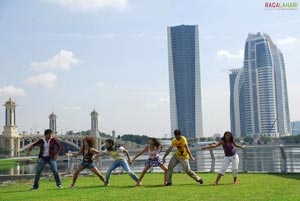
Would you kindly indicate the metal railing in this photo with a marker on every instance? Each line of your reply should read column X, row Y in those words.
column 258, row 159
column 262, row 158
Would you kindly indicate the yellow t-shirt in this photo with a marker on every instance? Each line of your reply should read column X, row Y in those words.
column 181, row 151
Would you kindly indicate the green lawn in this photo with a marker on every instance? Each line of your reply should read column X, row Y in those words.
column 251, row 187
column 8, row 163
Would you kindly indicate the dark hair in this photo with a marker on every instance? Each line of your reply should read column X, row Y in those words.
column 90, row 140
column 224, row 139
column 155, row 141
column 48, row 131
column 177, row 132
column 110, row 141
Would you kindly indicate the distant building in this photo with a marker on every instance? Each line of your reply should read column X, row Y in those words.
column 52, row 123
column 10, row 138
column 258, row 91
column 184, row 80
column 295, row 125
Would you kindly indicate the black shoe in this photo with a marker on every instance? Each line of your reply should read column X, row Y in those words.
column 200, row 181
column 168, row 184
column 33, row 189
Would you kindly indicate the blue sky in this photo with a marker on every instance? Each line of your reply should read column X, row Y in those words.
column 70, row 57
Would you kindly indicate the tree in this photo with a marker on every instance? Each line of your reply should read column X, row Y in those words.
column 237, row 139
column 248, row 139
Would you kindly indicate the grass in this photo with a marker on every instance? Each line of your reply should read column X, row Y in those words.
column 251, row 187
column 5, row 164
column 8, row 163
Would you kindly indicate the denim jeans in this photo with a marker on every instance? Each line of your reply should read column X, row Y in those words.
column 40, row 167
column 124, row 165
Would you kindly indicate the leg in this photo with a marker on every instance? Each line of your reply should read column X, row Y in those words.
column 126, row 167
column 53, row 166
column 39, row 170
column 76, row 173
column 235, row 167
column 186, row 168
column 173, row 162
column 98, row 173
column 223, row 169
column 165, row 169
column 113, row 166
column 146, row 168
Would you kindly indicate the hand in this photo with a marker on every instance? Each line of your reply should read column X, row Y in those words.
column 68, row 154
column 193, row 159
column 131, row 162
column 55, row 156
column 244, row 147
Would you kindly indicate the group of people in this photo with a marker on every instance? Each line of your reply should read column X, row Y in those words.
column 50, row 148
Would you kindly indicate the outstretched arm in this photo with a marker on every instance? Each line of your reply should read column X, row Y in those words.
column 100, row 153
column 40, row 141
column 167, row 153
column 213, row 145
column 74, row 155
column 140, row 153
column 127, row 154
column 189, row 152
column 239, row 146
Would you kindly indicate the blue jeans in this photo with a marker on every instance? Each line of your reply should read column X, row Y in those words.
column 40, row 168
column 124, row 165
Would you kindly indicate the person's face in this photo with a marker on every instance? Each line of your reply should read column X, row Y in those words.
column 107, row 144
column 48, row 136
column 85, row 143
column 227, row 137
column 177, row 137
column 150, row 141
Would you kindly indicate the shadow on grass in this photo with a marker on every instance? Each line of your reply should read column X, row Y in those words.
column 17, row 191
column 295, row 176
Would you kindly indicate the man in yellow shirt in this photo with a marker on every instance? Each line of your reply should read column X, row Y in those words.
column 181, row 156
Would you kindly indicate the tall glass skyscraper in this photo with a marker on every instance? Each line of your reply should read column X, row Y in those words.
column 259, row 100
column 184, row 80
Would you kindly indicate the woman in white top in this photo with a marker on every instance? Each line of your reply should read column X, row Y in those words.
column 153, row 148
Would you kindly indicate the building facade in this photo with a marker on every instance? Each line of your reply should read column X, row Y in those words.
column 259, row 100
column 184, row 80
column 295, row 125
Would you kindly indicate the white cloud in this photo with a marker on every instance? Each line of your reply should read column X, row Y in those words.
column 11, row 91
column 90, row 5
column 163, row 100
column 156, row 103
column 45, row 80
column 226, row 54
column 287, row 41
column 99, row 84
column 64, row 60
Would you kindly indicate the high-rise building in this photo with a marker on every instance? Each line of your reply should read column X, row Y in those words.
column 184, row 80
column 259, row 100
column 295, row 127
column 52, row 123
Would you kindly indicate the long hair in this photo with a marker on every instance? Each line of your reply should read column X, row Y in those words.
column 156, row 142
column 90, row 140
column 224, row 138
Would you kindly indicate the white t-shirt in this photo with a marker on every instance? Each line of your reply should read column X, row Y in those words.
column 46, row 147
